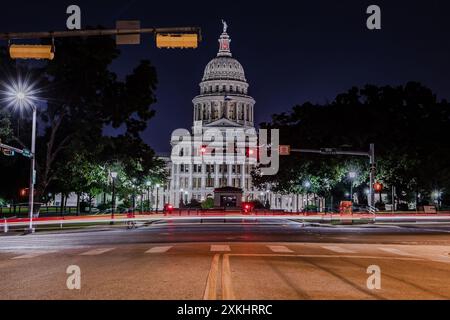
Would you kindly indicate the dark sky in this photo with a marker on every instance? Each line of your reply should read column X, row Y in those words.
column 292, row 51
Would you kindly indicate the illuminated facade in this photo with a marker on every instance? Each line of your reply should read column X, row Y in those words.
column 223, row 104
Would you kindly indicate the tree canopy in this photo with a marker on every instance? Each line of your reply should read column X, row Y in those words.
column 82, row 97
column 408, row 125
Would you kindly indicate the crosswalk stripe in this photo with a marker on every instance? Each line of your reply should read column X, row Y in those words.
column 219, row 248
column 30, row 255
column 159, row 249
column 338, row 249
column 96, row 252
column 396, row 251
column 280, row 249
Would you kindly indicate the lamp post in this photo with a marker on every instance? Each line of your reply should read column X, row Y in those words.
column 181, row 198
column 113, row 200
column 32, row 167
column 352, row 176
column 157, row 196
column 307, row 185
column 148, row 184
column 21, row 93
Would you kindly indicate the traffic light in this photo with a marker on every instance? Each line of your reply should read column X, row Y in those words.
column 177, row 40
column 17, row 51
column 251, row 152
column 377, row 187
column 23, row 192
column 26, row 153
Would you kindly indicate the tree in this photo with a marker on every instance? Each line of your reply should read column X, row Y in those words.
column 83, row 97
column 408, row 125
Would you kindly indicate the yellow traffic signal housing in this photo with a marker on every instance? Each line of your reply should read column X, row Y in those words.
column 177, row 40
column 17, row 51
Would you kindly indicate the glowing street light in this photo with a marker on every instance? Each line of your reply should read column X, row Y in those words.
column 22, row 94
column 307, row 185
column 352, row 175
column 157, row 196
column 113, row 200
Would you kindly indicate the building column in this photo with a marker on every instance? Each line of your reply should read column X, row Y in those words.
column 204, row 175
column 216, row 175
column 230, row 172
column 243, row 176
column 191, row 168
column 210, row 111
column 245, row 114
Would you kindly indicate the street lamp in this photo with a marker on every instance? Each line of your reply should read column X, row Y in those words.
column 181, row 198
column 307, row 185
column 148, row 184
column 351, row 175
column 157, row 196
column 113, row 200
column 437, row 196
column 22, row 94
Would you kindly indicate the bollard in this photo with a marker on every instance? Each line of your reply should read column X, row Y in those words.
column 5, row 226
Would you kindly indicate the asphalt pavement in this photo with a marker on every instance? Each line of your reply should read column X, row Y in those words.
column 279, row 259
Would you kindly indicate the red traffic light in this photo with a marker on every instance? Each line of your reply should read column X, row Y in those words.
column 203, row 150
column 377, row 186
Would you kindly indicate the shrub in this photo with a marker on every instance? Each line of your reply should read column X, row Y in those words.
column 208, row 204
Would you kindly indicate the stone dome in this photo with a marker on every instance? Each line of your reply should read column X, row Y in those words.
column 224, row 68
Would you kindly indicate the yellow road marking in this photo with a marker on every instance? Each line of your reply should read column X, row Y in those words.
column 211, row 283
column 227, row 288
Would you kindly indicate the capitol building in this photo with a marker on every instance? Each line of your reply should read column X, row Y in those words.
column 223, row 105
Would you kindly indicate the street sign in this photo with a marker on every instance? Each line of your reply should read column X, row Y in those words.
column 26, row 153
column 8, row 153
column 128, row 38
column 285, row 150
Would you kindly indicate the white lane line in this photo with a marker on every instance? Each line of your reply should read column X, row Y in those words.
column 220, row 248
column 338, row 249
column 280, row 249
column 30, row 255
column 396, row 251
column 159, row 249
column 96, row 252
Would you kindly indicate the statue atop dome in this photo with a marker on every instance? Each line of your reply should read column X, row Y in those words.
column 225, row 26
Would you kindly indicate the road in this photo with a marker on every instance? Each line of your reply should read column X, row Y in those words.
column 275, row 259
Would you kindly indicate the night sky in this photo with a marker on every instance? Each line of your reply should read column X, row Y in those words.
column 292, row 51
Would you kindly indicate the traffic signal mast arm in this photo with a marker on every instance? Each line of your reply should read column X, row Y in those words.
column 96, row 32
column 332, row 152
column 24, row 152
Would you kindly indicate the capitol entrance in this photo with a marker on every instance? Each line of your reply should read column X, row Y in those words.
column 228, row 201
column 227, row 197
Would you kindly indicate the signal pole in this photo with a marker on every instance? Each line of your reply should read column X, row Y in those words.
column 32, row 172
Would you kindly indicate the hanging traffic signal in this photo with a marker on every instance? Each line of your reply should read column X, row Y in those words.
column 23, row 192
column 17, row 51
column 177, row 40
column 377, row 187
